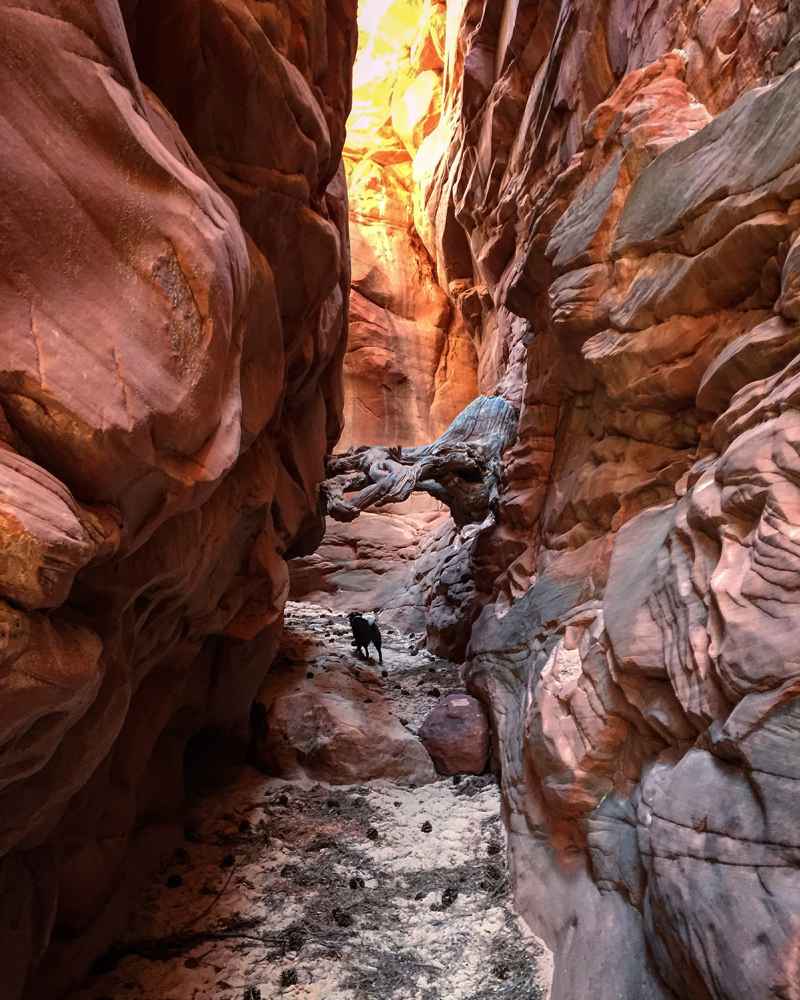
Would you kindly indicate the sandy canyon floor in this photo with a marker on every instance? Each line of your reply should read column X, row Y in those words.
column 303, row 890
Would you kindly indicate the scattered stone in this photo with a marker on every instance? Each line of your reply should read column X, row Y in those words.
column 342, row 919
column 356, row 882
column 426, row 827
column 372, row 833
column 295, row 940
column 288, row 978
column 449, row 896
column 456, row 779
column 434, row 693
column 309, row 676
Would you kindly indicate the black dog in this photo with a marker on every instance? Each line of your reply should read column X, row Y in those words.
column 365, row 631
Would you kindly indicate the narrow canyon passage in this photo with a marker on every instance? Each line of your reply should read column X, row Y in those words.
column 370, row 891
column 481, row 315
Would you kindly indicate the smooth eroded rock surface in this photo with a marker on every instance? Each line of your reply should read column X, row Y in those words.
column 173, row 284
column 456, row 735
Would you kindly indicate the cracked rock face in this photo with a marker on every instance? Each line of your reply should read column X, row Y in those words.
column 174, row 278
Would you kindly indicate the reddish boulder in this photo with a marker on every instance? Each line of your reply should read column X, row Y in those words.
column 456, row 735
column 334, row 726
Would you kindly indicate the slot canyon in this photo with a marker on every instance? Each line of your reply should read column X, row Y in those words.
column 480, row 317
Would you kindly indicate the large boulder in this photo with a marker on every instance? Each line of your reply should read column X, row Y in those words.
column 456, row 735
column 333, row 726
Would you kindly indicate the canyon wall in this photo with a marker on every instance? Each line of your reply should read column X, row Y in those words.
column 173, row 292
column 410, row 366
column 614, row 192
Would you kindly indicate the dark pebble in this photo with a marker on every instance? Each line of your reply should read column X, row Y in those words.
column 501, row 971
column 228, row 861
column 420, row 895
column 403, row 722
column 449, row 896
column 174, row 881
column 295, row 940
column 333, row 804
column 282, row 800
column 434, row 693
column 342, row 919
column 426, row 827
column 493, row 848
column 384, row 673
column 372, row 833
column 288, row 978
column 252, row 993
column 456, row 779
column 356, row 882
column 310, row 676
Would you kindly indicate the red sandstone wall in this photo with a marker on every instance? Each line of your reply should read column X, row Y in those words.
column 174, row 262
column 619, row 199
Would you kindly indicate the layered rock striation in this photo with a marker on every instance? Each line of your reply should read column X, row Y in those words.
column 173, row 291
column 618, row 198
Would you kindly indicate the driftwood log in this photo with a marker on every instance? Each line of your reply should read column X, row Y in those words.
column 461, row 468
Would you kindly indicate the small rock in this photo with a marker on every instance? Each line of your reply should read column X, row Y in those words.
column 384, row 673
column 493, row 848
column 449, row 896
column 342, row 919
column 420, row 895
column 288, row 978
column 356, row 882
column 282, row 800
column 456, row 779
column 252, row 993
column 426, row 827
column 228, row 861
column 434, row 693
column 310, row 676
column 174, row 882
column 372, row 833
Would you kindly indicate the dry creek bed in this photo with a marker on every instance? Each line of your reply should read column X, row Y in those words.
column 301, row 890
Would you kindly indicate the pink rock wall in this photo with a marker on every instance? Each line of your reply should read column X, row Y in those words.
column 617, row 206
column 173, row 296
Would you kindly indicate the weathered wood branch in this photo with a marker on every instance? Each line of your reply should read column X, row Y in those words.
column 461, row 468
